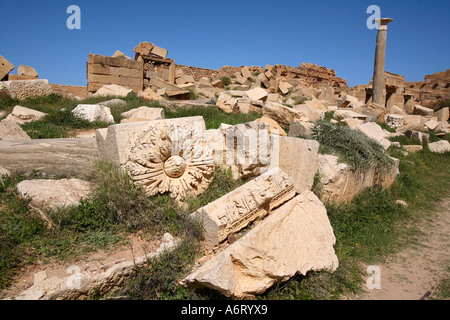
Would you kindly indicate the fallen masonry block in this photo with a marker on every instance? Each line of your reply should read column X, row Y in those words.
column 296, row 238
column 246, row 73
column 227, row 103
column 5, row 67
column 143, row 114
column 395, row 120
column 349, row 102
column 419, row 110
column 441, row 146
column 21, row 89
column 274, row 127
column 93, row 112
column 27, row 71
column 11, row 130
column 218, row 84
column 431, row 125
column 22, row 115
column 284, row 87
column 282, row 114
column 299, row 128
column 442, row 114
column 112, row 90
column 234, row 211
column 150, row 95
column 257, row 94
column 374, row 131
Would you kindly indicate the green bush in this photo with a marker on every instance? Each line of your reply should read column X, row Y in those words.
column 225, row 80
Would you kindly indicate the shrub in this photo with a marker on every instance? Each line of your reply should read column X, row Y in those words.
column 225, row 80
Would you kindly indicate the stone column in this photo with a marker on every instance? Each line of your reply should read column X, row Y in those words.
column 380, row 56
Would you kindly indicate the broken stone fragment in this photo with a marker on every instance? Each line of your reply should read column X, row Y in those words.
column 28, row 72
column 257, row 94
column 21, row 89
column 234, row 211
column 419, row 110
column 395, row 120
column 274, row 127
column 442, row 114
column 282, row 114
column 22, row 115
column 296, row 238
column 143, row 114
column 112, row 90
column 441, row 146
column 227, row 103
column 150, row 95
column 5, row 67
column 375, row 132
column 54, row 193
column 93, row 112
column 11, row 130
column 349, row 102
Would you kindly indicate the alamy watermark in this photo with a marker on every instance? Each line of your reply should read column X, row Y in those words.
column 374, row 279
column 376, row 14
column 74, row 20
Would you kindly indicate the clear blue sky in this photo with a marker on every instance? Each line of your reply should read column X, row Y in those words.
column 212, row 34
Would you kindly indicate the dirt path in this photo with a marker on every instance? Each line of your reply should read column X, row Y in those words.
column 414, row 273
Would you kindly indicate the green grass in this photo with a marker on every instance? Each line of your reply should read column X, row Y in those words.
column 225, row 80
column 351, row 146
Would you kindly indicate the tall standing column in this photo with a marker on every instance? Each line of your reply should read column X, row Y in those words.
column 380, row 57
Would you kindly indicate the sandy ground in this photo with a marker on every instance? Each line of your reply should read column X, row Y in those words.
column 414, row 273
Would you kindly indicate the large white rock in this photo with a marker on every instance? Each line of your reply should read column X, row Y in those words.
column 54, row 193
column 375, row 132
column 21, row 89
column 227, row 103
column 21, row 115
column 295, row 238
column 349, row 102
column 235, row 210
column 10, row 130
column 439, row 146
column 257, row 94
column 420, row 110
column 112, row 90
column 143, row 114
column 442, row 114
column 282, row 114
column 93, row 112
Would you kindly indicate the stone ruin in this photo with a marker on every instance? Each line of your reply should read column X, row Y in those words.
column 275, row 213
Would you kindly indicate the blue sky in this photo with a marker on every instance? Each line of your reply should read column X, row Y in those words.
column 212, row 34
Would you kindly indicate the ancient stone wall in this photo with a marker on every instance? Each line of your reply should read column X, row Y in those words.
column 102, row 70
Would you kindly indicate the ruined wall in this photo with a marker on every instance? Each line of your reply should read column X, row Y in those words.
column 435, row 87
column 102, row 70
column 70, row 91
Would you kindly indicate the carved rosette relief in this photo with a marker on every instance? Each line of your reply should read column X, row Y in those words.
column 171, row 158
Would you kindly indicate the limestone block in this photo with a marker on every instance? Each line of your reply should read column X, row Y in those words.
column 54, row 193
column 21, row 89
column 274, row 127
column 244, row 105
column 158, row 51
column 352, row 122
column 119, row 54
column 93, row 112
column 284, row 87
column 431, row 125
column 295, row 238
column 349, row 102
column 184, row 79
column 316, row 104
column 234, row 211
column 26, row 71
column 341, row 114
column 5, row 67
column 150, row 95
column 395, row 120
column 441, row 146
column 246, row 73
column 112, row 103
column 298, row 158
column 374, row 131
column 413, row 120
column 22, row 115
column 10, row 130
column 161, row 155
column 143, row 114
column 442, row 114
column 413, row 148
column 264, row 80
column 282, row 114
column 275, row 97
column 257, row 94
column 419, row 110
column 244, row 148
column 112, row 90
column 299, row 128
column 144, row 48
column 338, row 183
column 227, row 103
column 218, row 84
column 310, row 113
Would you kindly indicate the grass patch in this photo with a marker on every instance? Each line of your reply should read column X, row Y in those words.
column 351, row 146
column 225, row 80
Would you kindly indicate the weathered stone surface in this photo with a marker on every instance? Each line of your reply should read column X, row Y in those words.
column 413, row 148
column 234, row 211
column 144, row 48
column 274, row 127
column 413, row 120
column 299, row 128
column 119, row 54
column 284, row 87
column 93, row 112
column 257, row 94
column 352, row 122
column 26, row 71
column 374, row 131
column 86, row 284
column 431, row 125
column 161, row 155
column 150, row 95
column 349, row 102
column 345, row 114
column 4, row 172
column 442, row 114
column 298, row 158
column 113, row 103
column 282, row 114
column 10, row 130
column 218, row 84
column 419, row 110
column 295, row 238
column 112, row 90
column 310, row 113
column 340, row 184
column 143, row 114
column 244, row 148
column 21, row 115
column 54, row 193
column 21, row 89
column 5, row 67
column 184, row 79
column 395, row 120
column 439, row 146
column 316, row 104
column 246, row 73
column 227, row 103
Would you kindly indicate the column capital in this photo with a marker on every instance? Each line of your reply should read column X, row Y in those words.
column 383, row 22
